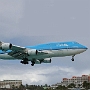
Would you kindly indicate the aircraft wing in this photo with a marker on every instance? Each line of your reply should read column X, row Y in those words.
column 19, row 52
column 9, row 46
column 15, row 47
column 15, row 51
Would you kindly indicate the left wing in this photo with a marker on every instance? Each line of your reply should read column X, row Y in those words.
column 15, row 51
column 9, row 46
column 19, row 52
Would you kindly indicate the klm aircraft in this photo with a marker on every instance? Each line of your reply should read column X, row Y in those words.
column 40, row 53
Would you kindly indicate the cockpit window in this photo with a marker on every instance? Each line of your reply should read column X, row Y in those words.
column 75, row 42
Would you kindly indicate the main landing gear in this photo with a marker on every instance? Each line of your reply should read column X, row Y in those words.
column 24, row 61
column 32, row 63
column 73, row 58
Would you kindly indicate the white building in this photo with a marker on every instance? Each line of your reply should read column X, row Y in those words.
column 10, row 83
column 76, row 80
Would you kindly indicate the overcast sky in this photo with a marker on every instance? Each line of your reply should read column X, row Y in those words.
column 31, row 22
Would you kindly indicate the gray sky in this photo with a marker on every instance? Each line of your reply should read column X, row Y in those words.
column 31, row 22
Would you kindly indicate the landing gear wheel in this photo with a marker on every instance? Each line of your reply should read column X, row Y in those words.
column 72, row 58
column 27, row 62
column 24, row 61
column 32, row 64
column 21, row 61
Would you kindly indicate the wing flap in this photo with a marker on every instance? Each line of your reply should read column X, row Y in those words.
column 15, row 47
column 44, row 52
column 17, row 54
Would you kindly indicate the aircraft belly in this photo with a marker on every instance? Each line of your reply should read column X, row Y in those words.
column 70, row 52
column 39, row 56
column 57, row 53
column 54, row 53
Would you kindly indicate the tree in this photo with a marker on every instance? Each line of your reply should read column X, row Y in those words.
column 86, row 85
column 21, row 87
column 72, row 85
column 27, row 86
column 46, row 85
column 60, row 87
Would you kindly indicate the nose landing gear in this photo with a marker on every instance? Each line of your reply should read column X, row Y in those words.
column 73, row 58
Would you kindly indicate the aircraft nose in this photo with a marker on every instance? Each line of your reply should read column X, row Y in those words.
column 84, row 48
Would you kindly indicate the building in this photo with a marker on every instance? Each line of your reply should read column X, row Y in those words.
column 10, row 83
column 76, row 80
column 54, row 86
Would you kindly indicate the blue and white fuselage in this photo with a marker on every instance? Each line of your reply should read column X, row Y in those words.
column 41, row 53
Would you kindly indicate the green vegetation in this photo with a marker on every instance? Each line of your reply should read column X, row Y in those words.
column 85, row 85
column 72, row 85
column 61, row 88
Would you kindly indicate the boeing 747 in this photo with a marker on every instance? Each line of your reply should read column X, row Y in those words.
column 40, row 53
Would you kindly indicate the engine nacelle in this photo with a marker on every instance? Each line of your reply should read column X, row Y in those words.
column 47, row 60
column 6, row 46
column 32, row 52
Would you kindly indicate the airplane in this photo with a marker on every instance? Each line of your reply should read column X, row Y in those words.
column 41, row 53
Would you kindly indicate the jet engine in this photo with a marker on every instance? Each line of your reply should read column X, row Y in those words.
column 6, row 46
column 32, row 52
column 47, row 60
